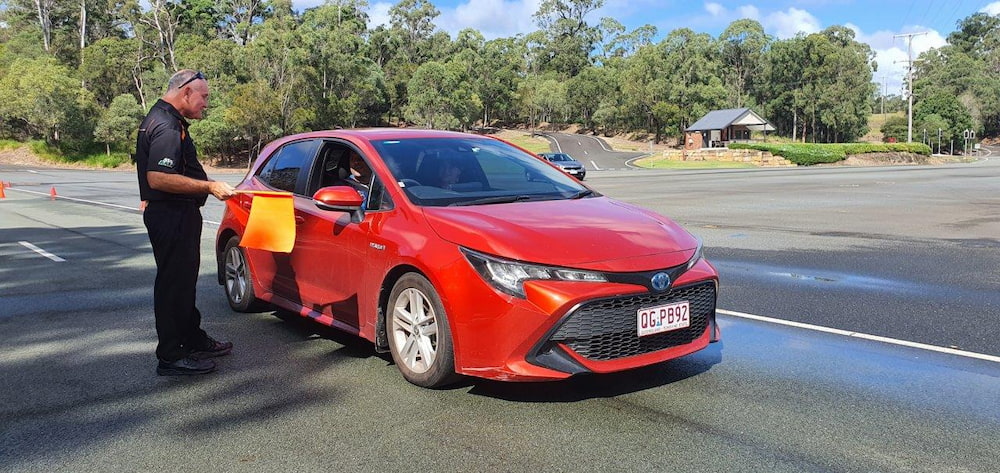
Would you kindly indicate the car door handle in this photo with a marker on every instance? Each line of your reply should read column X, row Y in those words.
column 299, row 220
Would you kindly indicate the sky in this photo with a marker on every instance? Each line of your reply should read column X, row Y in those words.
column 875, row 22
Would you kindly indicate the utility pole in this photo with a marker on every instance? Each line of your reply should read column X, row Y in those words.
column 909, row 80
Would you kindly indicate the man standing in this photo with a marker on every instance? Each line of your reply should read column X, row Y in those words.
column 175, row 186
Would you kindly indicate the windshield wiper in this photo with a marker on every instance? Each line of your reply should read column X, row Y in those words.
column 501, row 199
column 581, row 194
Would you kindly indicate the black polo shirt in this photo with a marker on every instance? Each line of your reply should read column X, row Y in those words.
column 164, row 145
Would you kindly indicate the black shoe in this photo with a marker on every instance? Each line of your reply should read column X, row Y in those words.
column 215, row 348
column 184, row 366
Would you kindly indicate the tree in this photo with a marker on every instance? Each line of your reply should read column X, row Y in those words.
column 441, row 96
column 943, row 108
column 118, row 123
column 238, row 18
column 566, row 39
column 47, row 102
column 106, row 67
column 742, row 46
column 819, row 85
column 585, row 92
column 895, row 129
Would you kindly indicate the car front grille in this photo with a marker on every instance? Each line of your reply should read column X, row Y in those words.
column 605, row 329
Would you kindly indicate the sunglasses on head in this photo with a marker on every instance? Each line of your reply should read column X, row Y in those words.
column 197, row 75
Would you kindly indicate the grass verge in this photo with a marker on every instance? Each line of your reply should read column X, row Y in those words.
column 89, row 157
column 535, row 144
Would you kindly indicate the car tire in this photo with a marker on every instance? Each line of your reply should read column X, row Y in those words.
column 419, row 334
column 237, row 280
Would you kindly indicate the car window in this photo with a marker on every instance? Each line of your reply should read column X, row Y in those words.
column 283, row 169
column 560, row 157
column 471, row 171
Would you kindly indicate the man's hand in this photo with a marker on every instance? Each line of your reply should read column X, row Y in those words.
column 221, row 190
column 179, row 184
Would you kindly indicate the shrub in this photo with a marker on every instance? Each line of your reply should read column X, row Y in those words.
column 807, row 154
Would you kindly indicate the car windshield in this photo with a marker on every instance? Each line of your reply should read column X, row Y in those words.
column 559, row 157
column 437, row 172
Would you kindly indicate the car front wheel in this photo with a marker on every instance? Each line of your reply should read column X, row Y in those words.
column 419, row 334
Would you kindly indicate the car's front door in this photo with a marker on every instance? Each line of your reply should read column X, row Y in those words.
column 330, row 250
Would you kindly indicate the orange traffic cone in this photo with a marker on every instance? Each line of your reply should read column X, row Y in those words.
column 2, row 195
column 52, row 193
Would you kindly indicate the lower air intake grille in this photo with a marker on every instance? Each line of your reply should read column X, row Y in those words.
column 606, row 329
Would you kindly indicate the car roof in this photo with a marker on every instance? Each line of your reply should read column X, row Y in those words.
column 375, row 134
column 363, row 135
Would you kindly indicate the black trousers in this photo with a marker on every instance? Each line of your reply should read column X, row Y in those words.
column 174, row 229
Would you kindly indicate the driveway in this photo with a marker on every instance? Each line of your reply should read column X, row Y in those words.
column 595, row 153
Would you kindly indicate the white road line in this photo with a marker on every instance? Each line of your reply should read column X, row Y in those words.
column 41, row 252
column 116, row 206
column 596, row 167
column 605, row 148
column 79, row 200
column 848, row 333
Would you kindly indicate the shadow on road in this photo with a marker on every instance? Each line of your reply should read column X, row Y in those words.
column 589, row 386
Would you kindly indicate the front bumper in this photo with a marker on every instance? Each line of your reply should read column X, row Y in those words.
column 565, row 328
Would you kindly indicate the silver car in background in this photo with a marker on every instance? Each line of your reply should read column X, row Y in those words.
column 566, row 163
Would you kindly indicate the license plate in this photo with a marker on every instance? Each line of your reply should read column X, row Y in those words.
column 664, row 318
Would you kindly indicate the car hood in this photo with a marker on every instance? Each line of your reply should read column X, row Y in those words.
column 568, row 164
column 591, row 233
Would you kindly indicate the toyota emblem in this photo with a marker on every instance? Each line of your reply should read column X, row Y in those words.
column 661, row 281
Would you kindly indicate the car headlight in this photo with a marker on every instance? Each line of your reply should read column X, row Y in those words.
column 508, row 276
column 696, row 257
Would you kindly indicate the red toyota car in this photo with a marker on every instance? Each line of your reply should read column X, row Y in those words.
column 465, row 255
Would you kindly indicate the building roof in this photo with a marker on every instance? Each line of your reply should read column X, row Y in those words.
column 720, row 119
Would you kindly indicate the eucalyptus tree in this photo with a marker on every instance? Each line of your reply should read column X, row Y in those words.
column 412, row 30
column 742, row 46
column 645, row 89
column 111, row 67
column 585, row 92
column 116, row 125
column 819, row 86
column 693, row 72
column 566, row 40
column 43, row 99
column 238, row 18
column 350, row 87
column 272, row 98
column 617, row 43
column 441, row 96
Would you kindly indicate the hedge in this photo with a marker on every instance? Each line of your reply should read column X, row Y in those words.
column 806, row 154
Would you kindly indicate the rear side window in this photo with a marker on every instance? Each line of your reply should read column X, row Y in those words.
column 284, row 169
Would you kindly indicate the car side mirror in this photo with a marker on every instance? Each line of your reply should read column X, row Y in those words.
column 341, row 199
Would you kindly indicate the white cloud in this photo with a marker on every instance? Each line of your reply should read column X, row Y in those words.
column 749, row 11
column 715, row 9
column 493, row 18
column 992, row 9
column 378, row 14
column 301, row 5
column 786, row 24
column 891, row 53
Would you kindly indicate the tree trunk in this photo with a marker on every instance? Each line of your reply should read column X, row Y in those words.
column 45, row 21
column 83, row 24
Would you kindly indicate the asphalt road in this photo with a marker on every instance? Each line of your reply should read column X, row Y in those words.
column 594, row 152
column 902, row 252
